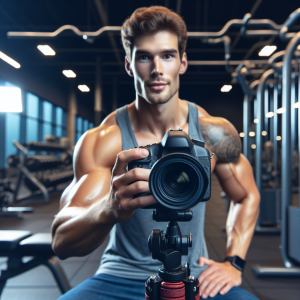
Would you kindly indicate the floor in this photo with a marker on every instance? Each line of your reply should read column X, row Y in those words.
column 38, row 283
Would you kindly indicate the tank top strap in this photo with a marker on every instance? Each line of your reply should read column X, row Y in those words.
column 194, row 126
column 128, row 138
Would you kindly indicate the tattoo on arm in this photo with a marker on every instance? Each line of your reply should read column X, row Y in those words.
column 221, row 138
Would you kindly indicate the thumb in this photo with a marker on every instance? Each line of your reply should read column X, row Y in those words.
column 204, row 261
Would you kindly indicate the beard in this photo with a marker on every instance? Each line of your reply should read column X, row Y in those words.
column 157, row 97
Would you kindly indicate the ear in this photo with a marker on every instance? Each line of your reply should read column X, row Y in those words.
column 184, row 64
column 127, row 67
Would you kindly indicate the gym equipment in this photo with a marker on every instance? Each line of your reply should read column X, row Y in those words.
column 15, row 245
column 290, row 215
column 41, row 174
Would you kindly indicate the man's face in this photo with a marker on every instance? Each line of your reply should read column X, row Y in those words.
column 156, row 66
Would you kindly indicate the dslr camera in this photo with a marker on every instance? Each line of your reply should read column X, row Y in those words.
column 180, row 174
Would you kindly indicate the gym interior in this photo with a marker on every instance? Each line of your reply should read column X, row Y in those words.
column 62, row 72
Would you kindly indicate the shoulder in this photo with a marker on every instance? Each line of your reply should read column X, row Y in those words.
column 98, row 147
column 221, row 138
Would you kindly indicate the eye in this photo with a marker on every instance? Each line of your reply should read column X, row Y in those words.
column 168, row 56
column 143, row 57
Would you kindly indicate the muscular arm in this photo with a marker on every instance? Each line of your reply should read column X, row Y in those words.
column 236, row 178
column 84, row 219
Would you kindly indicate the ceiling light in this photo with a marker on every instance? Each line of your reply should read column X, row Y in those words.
column 242, row 134
column 9, row 60
column 267, row 50
column 281, row 110
column 69, row 73
column 84, row 88
column 270, row 114
column 264, row 133
column 84, row 37
column 297, row 105
column 278, row 138
column 255, row 120
column 10, row 99
column 298, row 48
column 226, row 88
column 253, row 146
column 46, row 50
column 252, row 133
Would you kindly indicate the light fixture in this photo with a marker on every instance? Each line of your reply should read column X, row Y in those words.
column 84, row 37
column 252, row 133
column 226, row 88
column 270, row 114
column 242, row 134
column 255, row 120
column 69, row 73
column 84, row 88
column 253, row 146
column 278, row 138
column 281, row 110
column 46, row 50
column 9, row 60
column 297, row 105
column 298, row 48
column 264, row 133
column 10, row 99
column 267, row 50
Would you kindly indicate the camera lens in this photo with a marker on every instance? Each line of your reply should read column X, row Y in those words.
column 178, row 181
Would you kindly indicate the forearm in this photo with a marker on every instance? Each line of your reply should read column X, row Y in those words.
column 77, row 231
column 240, row 225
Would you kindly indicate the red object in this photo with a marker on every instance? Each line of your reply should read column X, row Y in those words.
column 172, row 291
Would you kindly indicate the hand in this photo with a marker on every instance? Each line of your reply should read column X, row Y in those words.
column 126, row 184
column 217, row 278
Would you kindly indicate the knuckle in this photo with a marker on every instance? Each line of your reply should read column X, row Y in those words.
column 123, row 206
column 114, row 184
column 139, row 186
column 120, row 156
column 136, row 173
column 139, row 202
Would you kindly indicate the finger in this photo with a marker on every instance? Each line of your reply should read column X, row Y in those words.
column 124, row 157
column 207, row 282
column 131, row 176
column 226, row 288
column 133, row 204
column 134, row 188
column 205, row 261
column 213, row 285
column 216, row 289
column 207, row 272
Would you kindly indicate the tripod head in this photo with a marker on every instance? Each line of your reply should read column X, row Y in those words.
column 168, row 246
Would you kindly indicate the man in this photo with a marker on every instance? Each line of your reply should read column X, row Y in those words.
column 100, row 198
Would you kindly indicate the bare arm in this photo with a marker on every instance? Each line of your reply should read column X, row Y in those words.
column 236, row 178
column 100, row 194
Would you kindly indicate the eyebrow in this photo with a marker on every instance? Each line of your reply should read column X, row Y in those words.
column 141, row 51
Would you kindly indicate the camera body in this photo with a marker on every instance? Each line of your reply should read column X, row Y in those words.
column 180, row 174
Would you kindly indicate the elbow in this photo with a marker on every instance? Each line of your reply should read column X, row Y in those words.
column 59, row 248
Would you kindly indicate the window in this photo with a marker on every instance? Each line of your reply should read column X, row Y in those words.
column 38, row 118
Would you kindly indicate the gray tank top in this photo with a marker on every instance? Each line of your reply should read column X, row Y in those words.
column 127, row 254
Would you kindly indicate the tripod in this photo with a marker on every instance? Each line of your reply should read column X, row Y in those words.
column 173, row 281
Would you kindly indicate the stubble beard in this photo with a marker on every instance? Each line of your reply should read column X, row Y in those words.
column 160, row 98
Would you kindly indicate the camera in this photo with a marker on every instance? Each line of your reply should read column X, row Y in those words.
column 180, row 174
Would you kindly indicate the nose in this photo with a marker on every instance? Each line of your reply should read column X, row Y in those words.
column 157, row 67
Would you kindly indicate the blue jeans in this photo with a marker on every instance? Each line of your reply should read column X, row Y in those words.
column 107, row 287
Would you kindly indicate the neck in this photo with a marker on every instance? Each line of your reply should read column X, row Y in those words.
column 157, row 119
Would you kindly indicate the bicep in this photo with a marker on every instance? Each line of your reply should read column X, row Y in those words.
column 237, row 179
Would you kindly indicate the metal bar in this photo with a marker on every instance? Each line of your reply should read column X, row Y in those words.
column 293, row 117
column 286, row 146
column 223, row 63
column 246, row 123
column 275, row 125
column 299, row 132
column 267, row 109
column 259, row 129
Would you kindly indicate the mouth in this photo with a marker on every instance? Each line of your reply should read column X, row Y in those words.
column 157, row 86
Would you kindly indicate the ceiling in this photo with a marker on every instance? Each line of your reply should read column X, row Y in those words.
column 72, row 52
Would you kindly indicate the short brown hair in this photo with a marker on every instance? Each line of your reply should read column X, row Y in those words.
column 147, row 20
